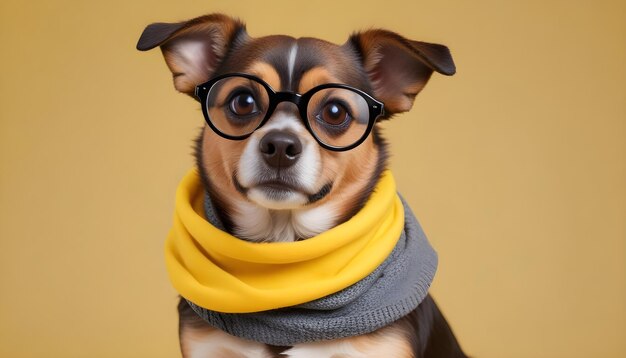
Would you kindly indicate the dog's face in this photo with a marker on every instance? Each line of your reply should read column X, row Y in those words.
column 279, row 184
column 281, row 166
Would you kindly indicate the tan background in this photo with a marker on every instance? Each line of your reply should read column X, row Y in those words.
column 515, row 166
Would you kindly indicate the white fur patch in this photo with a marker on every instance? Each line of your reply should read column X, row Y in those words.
column 283, row 121
column 292, row 61
column 287, row 201
column 387, row 342
column 390, row 342
column 219, row 344
column 310, row 222
column 328, row 349
column 259, row 224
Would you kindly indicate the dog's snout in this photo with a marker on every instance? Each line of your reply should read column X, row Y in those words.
column 280, row 149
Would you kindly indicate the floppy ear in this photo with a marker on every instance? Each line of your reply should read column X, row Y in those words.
column 399, row 68
column 193, row 49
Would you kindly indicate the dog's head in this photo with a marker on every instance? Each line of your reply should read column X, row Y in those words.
column 291, row 148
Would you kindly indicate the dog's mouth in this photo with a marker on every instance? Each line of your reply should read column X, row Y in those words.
column 280, row 189
column 277, row 185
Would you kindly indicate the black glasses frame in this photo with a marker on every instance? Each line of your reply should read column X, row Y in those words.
column 376, row 108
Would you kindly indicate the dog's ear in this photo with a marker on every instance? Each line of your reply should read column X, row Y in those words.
column 399, row 68
column 193, row 49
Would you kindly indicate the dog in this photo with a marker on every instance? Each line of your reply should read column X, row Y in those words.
column 274, row 176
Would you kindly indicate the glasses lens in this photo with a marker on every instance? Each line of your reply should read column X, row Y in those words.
column 338, row 116
column 237, row 105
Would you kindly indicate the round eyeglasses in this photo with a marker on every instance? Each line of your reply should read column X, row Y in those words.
column 338, row 116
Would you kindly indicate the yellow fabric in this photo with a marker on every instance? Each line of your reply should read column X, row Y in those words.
column 220, row 272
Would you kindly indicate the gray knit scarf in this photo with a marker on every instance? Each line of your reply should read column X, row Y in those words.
column 392, row 291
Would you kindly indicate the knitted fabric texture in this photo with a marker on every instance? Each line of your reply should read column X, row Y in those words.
column 390, row 292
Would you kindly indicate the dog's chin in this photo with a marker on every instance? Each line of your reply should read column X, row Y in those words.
column 277, row 198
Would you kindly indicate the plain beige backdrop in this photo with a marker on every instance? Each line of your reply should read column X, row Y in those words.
column 516, row 168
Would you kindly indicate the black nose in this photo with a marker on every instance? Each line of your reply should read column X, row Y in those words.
column 280, row 149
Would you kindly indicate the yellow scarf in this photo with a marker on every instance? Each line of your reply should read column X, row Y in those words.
column 220, row 272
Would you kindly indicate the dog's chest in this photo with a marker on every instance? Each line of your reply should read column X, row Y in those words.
column 210, row 342
column 259, row 224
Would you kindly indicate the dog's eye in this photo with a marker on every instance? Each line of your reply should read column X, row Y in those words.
column 334, row 113
column 243, row 104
